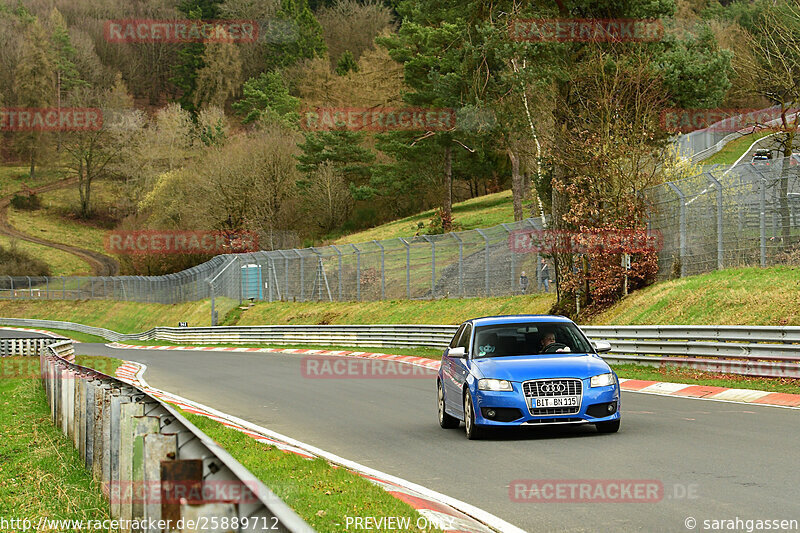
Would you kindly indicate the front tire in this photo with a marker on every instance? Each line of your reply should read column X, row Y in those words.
column 474, row 431
column 608, row 427
column 445, row 420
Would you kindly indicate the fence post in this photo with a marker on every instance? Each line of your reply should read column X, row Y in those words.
column 358, row 272
column 30, row 288
column 63, row 288
column 485, row 238
column 285, row 272
column 339, row 253
column 302, row 275
column 433, row 265
column 762, row 219
column 460, row 263
column 513, row 259
column 682, row 198
column 383, row 270
column 408, row 266
column 720, row 250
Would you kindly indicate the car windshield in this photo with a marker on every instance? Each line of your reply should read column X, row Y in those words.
column 532, row 338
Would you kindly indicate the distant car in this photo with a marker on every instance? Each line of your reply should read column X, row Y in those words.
column 525, row 370
column 761, row 158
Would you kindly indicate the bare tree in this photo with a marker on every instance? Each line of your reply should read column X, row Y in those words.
column 773, row 71
column 352, row 25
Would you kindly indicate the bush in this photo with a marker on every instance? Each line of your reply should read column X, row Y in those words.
column 28, row 202
column 15, row 262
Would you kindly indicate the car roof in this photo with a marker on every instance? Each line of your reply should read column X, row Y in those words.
column 517, row 319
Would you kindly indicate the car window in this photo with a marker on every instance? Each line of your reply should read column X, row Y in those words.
column 464, row 341
column 503, row 340
column 457, row 336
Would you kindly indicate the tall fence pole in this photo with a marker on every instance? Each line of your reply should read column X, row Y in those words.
column 720, row 245
column 513, row 259
column 408, row 267
column 485, row 238
column 682, row 198
column 433, row 265
column 762, row 219
column 358, row 272
column 339, row 253
column 383, row 270
column 460, row 263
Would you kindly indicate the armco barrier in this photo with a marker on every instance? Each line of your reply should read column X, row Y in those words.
column 29, row 346
column 153, row 464
column 771, row 351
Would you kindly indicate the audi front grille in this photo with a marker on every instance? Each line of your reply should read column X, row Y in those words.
column 554, row 387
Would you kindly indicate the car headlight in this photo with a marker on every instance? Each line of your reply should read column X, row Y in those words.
column 603, row 380
column 494, row 384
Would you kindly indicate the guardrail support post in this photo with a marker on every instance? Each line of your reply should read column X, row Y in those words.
column 157, row 448
column 178, row 477
column 144, row 425
column 121, row 492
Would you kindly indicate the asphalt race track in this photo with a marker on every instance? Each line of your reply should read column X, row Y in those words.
column 716, row 460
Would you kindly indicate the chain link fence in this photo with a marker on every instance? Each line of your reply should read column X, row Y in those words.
column 458, row 264
column 728, row 217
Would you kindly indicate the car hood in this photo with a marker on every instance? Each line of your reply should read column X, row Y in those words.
column 521, row 367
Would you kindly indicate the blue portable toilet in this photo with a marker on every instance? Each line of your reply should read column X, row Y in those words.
column 252, row 284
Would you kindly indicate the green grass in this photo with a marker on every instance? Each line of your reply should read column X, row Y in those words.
column 742, row 296
column 123, row 317
column 61, row 263
column 479, row 212
column 41, row 474
column 321, row 494
column 106, row 365
column 734, row 149
column 443, row 311
column 12, row 178
column 54, row 222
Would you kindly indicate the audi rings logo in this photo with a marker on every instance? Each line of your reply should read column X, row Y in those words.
column 552, row 387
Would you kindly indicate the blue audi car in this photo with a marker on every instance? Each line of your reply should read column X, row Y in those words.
column 525, row 370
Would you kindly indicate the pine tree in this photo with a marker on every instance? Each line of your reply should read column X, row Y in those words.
column 34, row 84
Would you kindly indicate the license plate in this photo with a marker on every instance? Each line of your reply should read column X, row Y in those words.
column 554, row 401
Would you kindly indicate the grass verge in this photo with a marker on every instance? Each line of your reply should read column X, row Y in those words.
column 444, row 311
column 321, row 494
column 41, row 474
column 123, row 317
column 751, row 296
column 734, row 149
column 480, row 212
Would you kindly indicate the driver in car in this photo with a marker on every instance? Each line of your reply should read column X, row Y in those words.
column 549, row 344
column 548, row 338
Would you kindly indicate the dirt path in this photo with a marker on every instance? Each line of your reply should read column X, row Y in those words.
column 102, row 265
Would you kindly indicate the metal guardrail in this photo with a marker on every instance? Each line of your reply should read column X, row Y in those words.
column 23, row 347
column 749, row 350
column 153, row 464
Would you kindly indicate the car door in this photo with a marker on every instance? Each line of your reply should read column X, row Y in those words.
column 448, row 369
column 460, row 371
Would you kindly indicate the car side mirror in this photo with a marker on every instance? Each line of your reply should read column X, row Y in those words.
column 601, row 346
column 457, row 353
